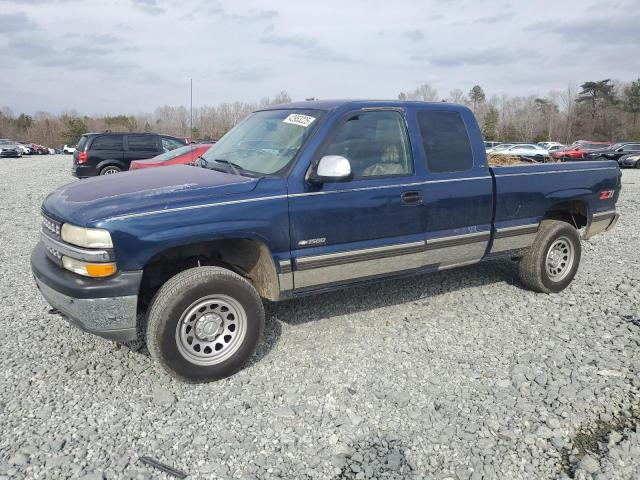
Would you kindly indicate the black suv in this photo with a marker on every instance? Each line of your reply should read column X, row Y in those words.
column 110, row 152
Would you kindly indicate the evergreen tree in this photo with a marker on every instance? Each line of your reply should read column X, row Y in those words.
column 476, row 94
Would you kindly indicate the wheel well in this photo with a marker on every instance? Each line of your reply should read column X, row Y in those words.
column 249, row 258
column 575, row 213
column 111, row 163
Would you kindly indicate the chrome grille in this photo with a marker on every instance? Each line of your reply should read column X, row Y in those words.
column 52, row 251
column 51, row 226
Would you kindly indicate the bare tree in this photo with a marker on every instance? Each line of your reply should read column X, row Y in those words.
column 423, row 93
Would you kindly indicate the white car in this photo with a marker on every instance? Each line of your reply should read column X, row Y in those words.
column 553, row 148
column 499, row 148
column 548, row 145
column 524, row 150
column 69, row 149
column 25, row 150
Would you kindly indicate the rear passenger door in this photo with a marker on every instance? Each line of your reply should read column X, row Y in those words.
column 105, row 149
column 457, row 192
column 140, row 147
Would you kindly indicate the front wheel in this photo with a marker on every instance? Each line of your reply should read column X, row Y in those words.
column 638, row 164
column 204, row 324
column 552, row 261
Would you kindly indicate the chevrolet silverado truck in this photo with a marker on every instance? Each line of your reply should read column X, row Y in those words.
column 300, row 199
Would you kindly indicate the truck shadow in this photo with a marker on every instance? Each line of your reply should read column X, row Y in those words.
column 381, row 294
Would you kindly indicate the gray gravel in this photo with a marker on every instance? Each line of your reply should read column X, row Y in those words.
column 458, row 375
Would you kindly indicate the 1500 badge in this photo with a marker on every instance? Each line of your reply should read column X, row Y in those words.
column 312, row 242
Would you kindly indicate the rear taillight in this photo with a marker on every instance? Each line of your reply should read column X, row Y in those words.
column 83, row 157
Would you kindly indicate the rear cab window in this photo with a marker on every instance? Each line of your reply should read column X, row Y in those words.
column 445, row 140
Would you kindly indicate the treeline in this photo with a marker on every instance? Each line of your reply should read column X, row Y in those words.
column 209, row 122
column 597, row 110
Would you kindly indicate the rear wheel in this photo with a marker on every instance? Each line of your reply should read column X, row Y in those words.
column 110, row 170
column 638, row 164
column 552, row 261
column 204, row 324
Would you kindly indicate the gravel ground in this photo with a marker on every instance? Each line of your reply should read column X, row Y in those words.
column 457, row 375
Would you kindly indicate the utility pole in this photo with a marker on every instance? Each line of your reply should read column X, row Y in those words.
column 191, row 108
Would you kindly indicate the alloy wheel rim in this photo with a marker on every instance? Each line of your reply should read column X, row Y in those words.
column 560, row 258
column 211, row 330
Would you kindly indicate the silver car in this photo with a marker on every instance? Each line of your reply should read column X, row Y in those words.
column 632, row 160
column 10, row 148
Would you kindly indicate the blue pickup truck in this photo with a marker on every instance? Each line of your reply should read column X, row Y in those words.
column 300, row 199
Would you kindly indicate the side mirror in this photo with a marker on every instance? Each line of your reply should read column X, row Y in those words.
column 331, row 168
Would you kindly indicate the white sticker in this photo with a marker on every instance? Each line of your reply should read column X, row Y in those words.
column 302, row 120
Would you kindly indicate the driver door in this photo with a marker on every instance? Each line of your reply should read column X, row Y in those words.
column 369, row 225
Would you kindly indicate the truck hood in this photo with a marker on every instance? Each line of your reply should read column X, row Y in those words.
column 88, row 201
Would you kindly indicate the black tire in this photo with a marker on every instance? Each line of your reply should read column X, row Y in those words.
column 110, row 170
column 534, row 270
column 638, row 164
column 177, row 297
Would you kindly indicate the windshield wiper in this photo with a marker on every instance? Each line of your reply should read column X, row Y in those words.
column 230, row 166
column 237, row 169
column 200, row 162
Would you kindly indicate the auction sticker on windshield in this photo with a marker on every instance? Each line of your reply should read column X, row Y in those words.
column 297, row 119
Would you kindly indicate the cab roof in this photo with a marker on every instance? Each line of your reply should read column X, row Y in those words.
column 355, row 104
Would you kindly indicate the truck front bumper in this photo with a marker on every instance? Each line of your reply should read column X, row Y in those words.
column 104, row 307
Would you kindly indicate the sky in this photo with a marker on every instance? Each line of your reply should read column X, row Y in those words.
column 131, row 56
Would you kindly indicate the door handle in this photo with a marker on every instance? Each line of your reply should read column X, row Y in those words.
column 411, row 198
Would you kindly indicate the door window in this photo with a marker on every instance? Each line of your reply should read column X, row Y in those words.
column 107, row 142
column 142, row 143
column 445, row 140
column 375, row 143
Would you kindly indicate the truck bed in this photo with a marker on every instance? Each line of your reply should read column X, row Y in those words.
column 524, row 193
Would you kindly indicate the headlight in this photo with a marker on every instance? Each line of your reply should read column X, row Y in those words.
column 87, row 269
column 86, row 237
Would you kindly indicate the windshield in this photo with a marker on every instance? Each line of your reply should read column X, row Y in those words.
column 264, row 143
column 171, row 154
column 503, row 146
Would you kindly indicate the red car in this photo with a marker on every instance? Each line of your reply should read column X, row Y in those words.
column 182, row 155
column 577, row 150
column 37, row 149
